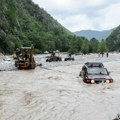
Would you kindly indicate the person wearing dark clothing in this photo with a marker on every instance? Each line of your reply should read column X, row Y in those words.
column 23, row 52
column 107, row 54
column 53, row 53
column 26, row 56
column 17, row 52
column 70, row 55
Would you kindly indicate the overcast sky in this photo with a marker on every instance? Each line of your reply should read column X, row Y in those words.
column 78, row 15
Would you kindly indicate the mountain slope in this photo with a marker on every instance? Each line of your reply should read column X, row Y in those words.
column 89, row 34
column 113, row 41
column 23, row 23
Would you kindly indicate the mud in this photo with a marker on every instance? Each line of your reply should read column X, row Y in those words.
column 55, row 91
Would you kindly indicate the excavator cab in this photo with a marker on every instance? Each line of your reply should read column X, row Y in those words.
column 24, row 58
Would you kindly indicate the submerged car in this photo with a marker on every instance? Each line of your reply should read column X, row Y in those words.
column 96, row 75
column 69, row 58
column 53, row 58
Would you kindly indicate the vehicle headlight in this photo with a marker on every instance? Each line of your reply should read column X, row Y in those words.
column 107, row 81
column 92, row 81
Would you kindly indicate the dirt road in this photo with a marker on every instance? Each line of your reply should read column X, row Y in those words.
column 56, row 92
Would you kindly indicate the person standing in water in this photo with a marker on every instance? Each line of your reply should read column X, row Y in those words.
column 107, row 54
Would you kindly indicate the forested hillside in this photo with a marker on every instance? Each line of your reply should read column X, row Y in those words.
column 113, row 41
column 23, row 23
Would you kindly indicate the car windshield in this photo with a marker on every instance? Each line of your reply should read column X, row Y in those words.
column 97, row 71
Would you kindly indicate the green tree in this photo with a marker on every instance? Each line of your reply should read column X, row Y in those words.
column 85, row 46
column 93, row 45
column 113, row 41
column 102, row 47
column 23, row 23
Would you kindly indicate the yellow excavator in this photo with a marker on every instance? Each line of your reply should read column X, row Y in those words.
column 24, row 58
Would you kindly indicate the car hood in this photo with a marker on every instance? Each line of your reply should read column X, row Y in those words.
column 99, row 76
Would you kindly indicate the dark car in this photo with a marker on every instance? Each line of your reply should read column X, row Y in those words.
column 96, row 75
column 69, row 58
column 53, row 58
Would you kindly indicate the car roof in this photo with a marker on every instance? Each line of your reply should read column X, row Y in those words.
column 94, row 64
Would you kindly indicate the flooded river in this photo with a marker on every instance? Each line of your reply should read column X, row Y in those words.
column 55, row 91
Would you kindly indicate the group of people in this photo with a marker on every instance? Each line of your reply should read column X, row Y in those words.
column 22, row 54
column 103, row 54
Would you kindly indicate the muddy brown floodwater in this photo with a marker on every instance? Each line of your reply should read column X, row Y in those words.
column 56, row 92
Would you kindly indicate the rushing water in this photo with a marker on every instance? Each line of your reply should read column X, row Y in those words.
column 56, row 92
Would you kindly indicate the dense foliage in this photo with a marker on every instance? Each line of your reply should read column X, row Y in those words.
column 23, row 23
column 102, row 47
column 113, row 41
